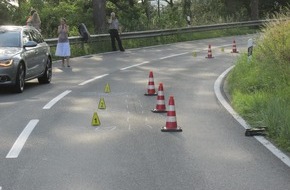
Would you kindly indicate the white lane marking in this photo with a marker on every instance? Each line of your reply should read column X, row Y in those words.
column 19, row 143
column 170, row 56
column 93, row 79
column 109, row 128
column 113, row 127
column 149, row 126
column 56, row 99
column 145, row 62
column 217, row 85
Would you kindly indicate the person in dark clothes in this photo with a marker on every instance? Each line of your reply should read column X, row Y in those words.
column 114, row 32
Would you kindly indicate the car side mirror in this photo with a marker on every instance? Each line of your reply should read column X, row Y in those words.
column 30, row 44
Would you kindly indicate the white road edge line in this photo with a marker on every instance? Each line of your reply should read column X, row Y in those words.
column 217, row 88
column 93, row 79
column 19, row 143
column 56, row 99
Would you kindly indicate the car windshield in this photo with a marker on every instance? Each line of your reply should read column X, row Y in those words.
column 9, row 38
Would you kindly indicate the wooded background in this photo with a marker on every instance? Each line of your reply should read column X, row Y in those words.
column 136, row 15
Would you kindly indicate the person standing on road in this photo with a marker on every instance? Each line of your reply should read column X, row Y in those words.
column 34, row 20
column 63, row 47
column 114, row 32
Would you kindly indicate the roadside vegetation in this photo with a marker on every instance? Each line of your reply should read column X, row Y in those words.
column 260, row 87
column 94, row 47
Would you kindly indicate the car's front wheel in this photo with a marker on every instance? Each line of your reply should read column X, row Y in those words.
column 20, row 79
column 46, row 77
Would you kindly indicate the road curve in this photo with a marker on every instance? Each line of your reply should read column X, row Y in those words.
column 60, row 149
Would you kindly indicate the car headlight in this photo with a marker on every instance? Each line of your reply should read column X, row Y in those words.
column 6, row 63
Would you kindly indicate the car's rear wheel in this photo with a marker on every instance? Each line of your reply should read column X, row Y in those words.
column 46, row 77
column 20, row 79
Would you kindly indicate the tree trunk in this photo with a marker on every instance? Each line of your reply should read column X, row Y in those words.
column 99, row 14
column 170, row 3
column 187, row 8
column 232, row 6
column 255, row 9
column 131, row 3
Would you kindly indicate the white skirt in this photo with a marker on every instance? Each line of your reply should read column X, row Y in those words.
column 62, row 49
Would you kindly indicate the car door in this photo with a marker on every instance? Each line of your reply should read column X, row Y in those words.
column 28, row 54
column 40, row 52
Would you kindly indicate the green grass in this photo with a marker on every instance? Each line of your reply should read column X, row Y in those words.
column 260, row 88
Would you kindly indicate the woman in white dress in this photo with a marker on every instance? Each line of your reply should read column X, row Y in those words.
column 63, row 47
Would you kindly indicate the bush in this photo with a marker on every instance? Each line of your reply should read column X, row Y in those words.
column 260, row 88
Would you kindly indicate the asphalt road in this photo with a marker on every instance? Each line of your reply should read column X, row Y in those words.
column 47, row 141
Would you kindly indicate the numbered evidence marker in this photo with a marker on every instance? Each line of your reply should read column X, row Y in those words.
column 102, row 104
column 96, row 120
column 250, row 49
column 107, row 88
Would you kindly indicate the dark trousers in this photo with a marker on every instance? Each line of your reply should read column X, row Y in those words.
column 114, row 34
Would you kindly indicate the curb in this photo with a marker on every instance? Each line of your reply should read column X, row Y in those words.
column 223, row 98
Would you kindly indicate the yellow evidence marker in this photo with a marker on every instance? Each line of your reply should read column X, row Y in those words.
column 107, row 88
column 96, row 120
column 102, row 104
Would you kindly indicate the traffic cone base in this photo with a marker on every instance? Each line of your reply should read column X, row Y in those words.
column 178, row 129
column 158, row 111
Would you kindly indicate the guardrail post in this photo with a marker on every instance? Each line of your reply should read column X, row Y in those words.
column 250, row 49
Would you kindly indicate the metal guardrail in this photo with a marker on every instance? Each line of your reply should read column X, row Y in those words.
column 156, row 33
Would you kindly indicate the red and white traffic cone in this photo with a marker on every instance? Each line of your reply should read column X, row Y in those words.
column 209, row 53
column 160, row 105
column 234, row 50
column 151, row 86
column 171, row 123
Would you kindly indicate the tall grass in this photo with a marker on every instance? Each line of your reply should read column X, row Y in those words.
column 260, row 88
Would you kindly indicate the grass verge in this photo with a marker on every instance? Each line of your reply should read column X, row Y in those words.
column 105, row 46
column 260, row 88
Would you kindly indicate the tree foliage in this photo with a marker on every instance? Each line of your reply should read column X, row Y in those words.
column 135, row 15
